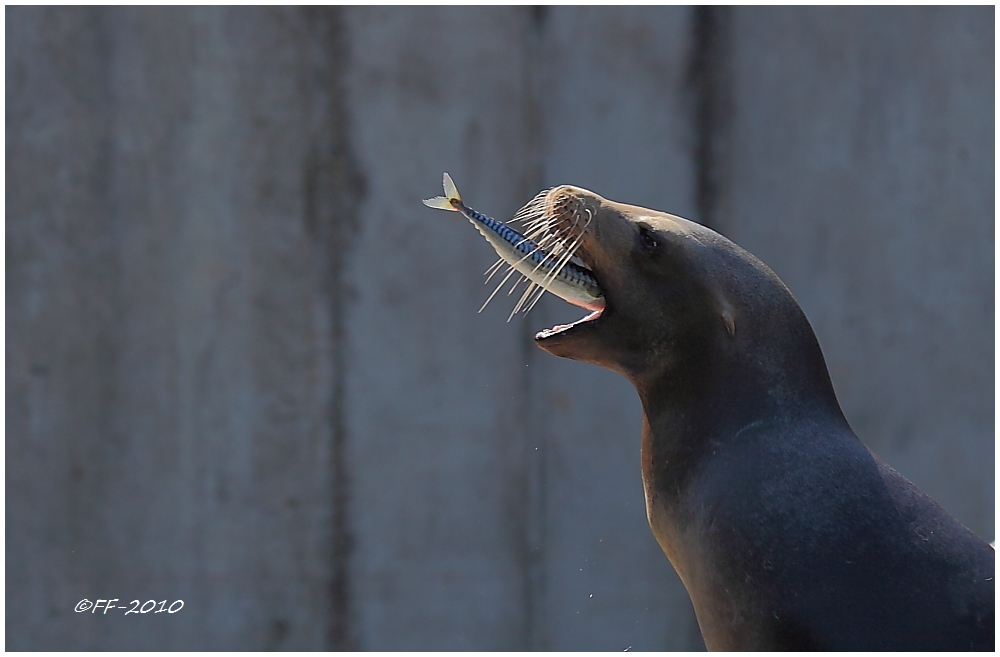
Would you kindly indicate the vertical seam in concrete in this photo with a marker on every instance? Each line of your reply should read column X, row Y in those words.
column 710, row 77
column 334, row 188
column 534, row 459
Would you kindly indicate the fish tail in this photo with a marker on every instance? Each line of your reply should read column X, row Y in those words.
column 451, row 199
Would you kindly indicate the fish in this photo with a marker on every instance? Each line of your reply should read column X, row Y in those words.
column 546, row 269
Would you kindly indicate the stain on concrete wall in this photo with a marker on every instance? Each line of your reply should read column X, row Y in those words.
column 244, row 366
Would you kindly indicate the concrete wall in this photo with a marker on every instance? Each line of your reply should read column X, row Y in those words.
column 244, row 366
column 862, row 171
column 169, row 352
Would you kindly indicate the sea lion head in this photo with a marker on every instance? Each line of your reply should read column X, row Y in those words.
column 680, row 300
column 655, row 270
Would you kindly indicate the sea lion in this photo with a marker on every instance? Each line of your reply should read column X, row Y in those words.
column 787, row 532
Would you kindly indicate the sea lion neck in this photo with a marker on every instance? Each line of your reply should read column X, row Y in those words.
column 725, row 388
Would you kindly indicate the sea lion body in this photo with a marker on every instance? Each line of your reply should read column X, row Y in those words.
column 786, row 531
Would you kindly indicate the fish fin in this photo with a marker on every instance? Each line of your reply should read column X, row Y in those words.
column 441, row 203
column 446, row 202
column 450, row 191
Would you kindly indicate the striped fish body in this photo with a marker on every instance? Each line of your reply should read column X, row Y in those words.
column 569, row 282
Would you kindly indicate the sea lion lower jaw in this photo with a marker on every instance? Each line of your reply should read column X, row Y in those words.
column 585, row 340
column 786, row 531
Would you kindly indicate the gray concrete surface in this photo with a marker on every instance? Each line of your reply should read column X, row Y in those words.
column 862, row 169
column 168, row 331
column 435, row 443
column 244, row 366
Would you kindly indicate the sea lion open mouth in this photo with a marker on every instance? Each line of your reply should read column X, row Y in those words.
column 562, row 328
column 548, row 333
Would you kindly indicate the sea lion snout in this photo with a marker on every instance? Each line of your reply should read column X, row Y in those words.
column 571, row 212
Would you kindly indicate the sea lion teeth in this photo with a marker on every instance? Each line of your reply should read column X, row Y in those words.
column 562, row 328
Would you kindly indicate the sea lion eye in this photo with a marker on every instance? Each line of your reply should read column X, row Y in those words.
column 647, row 239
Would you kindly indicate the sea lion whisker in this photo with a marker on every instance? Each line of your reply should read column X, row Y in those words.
column 510, row 273
column 494, row 268
column 556, row 244
column 532, row 303
column 546, row 257
column 549, row 256
column 558, row 255
column 568, row 255
column 532, row 206
column 520, row 302
column 529, row 299
column 569, row 252
column 558, row 267
column 520, row 280
column 512, row 267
